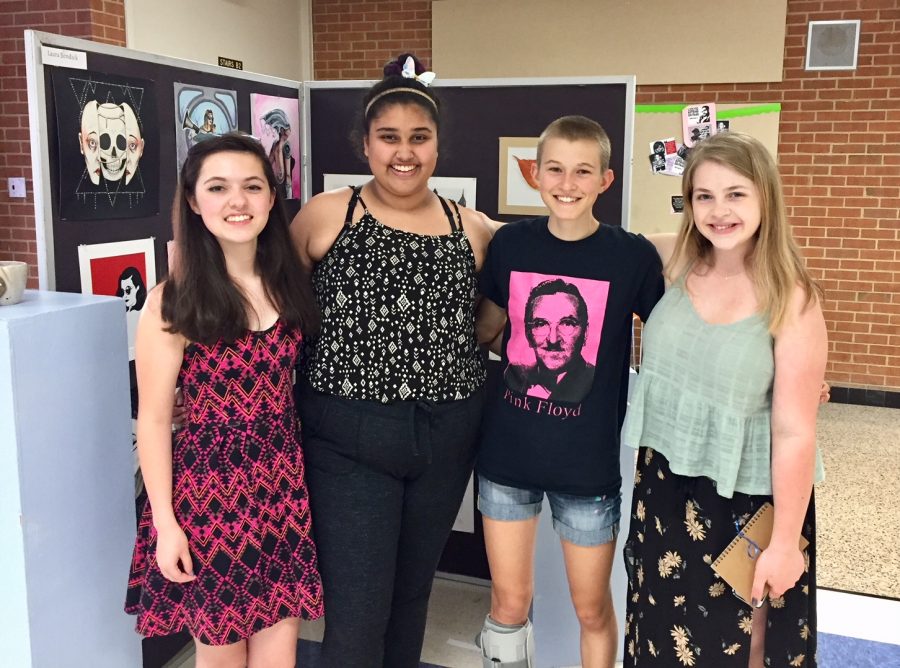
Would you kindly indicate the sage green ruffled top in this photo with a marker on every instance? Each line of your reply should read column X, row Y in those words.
column 703, row 397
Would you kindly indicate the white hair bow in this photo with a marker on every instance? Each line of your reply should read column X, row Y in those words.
column 409, row 72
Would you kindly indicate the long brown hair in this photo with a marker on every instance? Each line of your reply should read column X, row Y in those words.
column 199, row 300
column 775, row 263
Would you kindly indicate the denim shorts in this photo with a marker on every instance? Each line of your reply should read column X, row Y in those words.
column 581, row 520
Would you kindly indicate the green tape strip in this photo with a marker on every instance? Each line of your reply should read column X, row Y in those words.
column 658, row 108
column 720, row 113
column 755, row 110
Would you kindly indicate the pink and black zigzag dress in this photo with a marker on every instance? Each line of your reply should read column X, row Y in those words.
column 240, row 496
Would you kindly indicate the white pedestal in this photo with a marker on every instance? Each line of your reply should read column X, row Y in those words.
column 66, row 484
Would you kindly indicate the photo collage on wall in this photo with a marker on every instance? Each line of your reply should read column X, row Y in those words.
column 668, row 156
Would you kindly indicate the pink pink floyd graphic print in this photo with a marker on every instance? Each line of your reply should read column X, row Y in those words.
column 556, row 323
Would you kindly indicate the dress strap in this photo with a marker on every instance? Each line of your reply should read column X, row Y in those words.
column 449, row 214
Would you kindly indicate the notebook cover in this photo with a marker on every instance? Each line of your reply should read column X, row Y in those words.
column 735, row 565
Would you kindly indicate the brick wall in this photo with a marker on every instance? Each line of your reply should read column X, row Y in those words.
column 353, row 40
column 98, row 20
column 839, row 153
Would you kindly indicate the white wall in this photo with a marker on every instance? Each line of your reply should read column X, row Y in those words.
column 270, row 36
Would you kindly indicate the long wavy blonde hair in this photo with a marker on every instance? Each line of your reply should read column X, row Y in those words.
column 774, row 263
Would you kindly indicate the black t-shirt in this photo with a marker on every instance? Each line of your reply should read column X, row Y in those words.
column 554, row 420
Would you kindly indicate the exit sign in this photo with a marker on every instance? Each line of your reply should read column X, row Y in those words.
column 231, row 62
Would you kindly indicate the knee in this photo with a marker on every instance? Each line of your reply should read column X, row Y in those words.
column 596, row 618
column 232, row 659
column 272, row 662
column 510, row 606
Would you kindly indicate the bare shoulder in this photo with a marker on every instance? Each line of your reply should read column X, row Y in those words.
column 318, row 223
column 480, row 230
column 153, row 305
column 153, row 329
column 321, row 208
column 477, row 225
column 804, row 315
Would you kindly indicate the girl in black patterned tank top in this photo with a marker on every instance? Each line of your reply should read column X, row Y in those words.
column 393, row 393
column 400, row 312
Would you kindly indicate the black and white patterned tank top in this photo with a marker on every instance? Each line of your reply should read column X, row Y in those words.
column 398, row 313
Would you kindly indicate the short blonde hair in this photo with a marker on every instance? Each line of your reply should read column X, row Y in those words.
column 775, row 262
column 576, row 128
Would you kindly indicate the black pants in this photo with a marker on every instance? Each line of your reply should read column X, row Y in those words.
column 385, row 484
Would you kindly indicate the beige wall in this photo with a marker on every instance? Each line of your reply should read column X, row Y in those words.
column 660, row 41
column 270, row 36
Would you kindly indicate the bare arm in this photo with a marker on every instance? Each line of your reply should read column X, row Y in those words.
column 317, row 225
column 489, row 323
column 480, row 229
column 158, row 357
column 800, row 354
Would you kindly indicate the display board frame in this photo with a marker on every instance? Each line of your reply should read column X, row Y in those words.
column 474, row 111
column 57, row 263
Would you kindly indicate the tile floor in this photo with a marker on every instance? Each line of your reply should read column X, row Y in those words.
column 858, row 523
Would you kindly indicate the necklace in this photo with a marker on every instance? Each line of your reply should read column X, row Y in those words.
column 728, row 277
column 725, row 277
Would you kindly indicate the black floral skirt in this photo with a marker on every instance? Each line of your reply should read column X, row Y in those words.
column 680, row 613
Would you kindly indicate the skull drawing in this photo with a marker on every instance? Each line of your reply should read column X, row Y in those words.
column 89, row 140
column 113, row 140
column 135, row 144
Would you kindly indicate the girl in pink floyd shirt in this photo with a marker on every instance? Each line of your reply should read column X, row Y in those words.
column 559, row 292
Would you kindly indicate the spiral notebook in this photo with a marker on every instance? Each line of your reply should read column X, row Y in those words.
column 737, row 562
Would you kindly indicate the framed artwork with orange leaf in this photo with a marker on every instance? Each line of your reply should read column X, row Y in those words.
column 518, row 190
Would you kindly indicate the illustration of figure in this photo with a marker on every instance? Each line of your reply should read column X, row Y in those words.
column 134, row 143
column 111, row 126
column 556, row 320
column 197, row 133
column 280, row 152
column 704, row 114
column 132, row 289
column 89, row 141
column 110, row 141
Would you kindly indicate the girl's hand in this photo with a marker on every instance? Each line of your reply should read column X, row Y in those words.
column 825, row 393
column 779, row 568
column 179, row 412
column 173, row 555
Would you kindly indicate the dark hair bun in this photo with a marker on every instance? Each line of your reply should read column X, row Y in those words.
column 395, row 67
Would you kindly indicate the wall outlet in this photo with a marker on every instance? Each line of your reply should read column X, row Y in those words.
column 17, row 187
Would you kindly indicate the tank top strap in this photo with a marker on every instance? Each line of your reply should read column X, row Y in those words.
column 453, row 226
column 351, row 205
column 458, row 215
